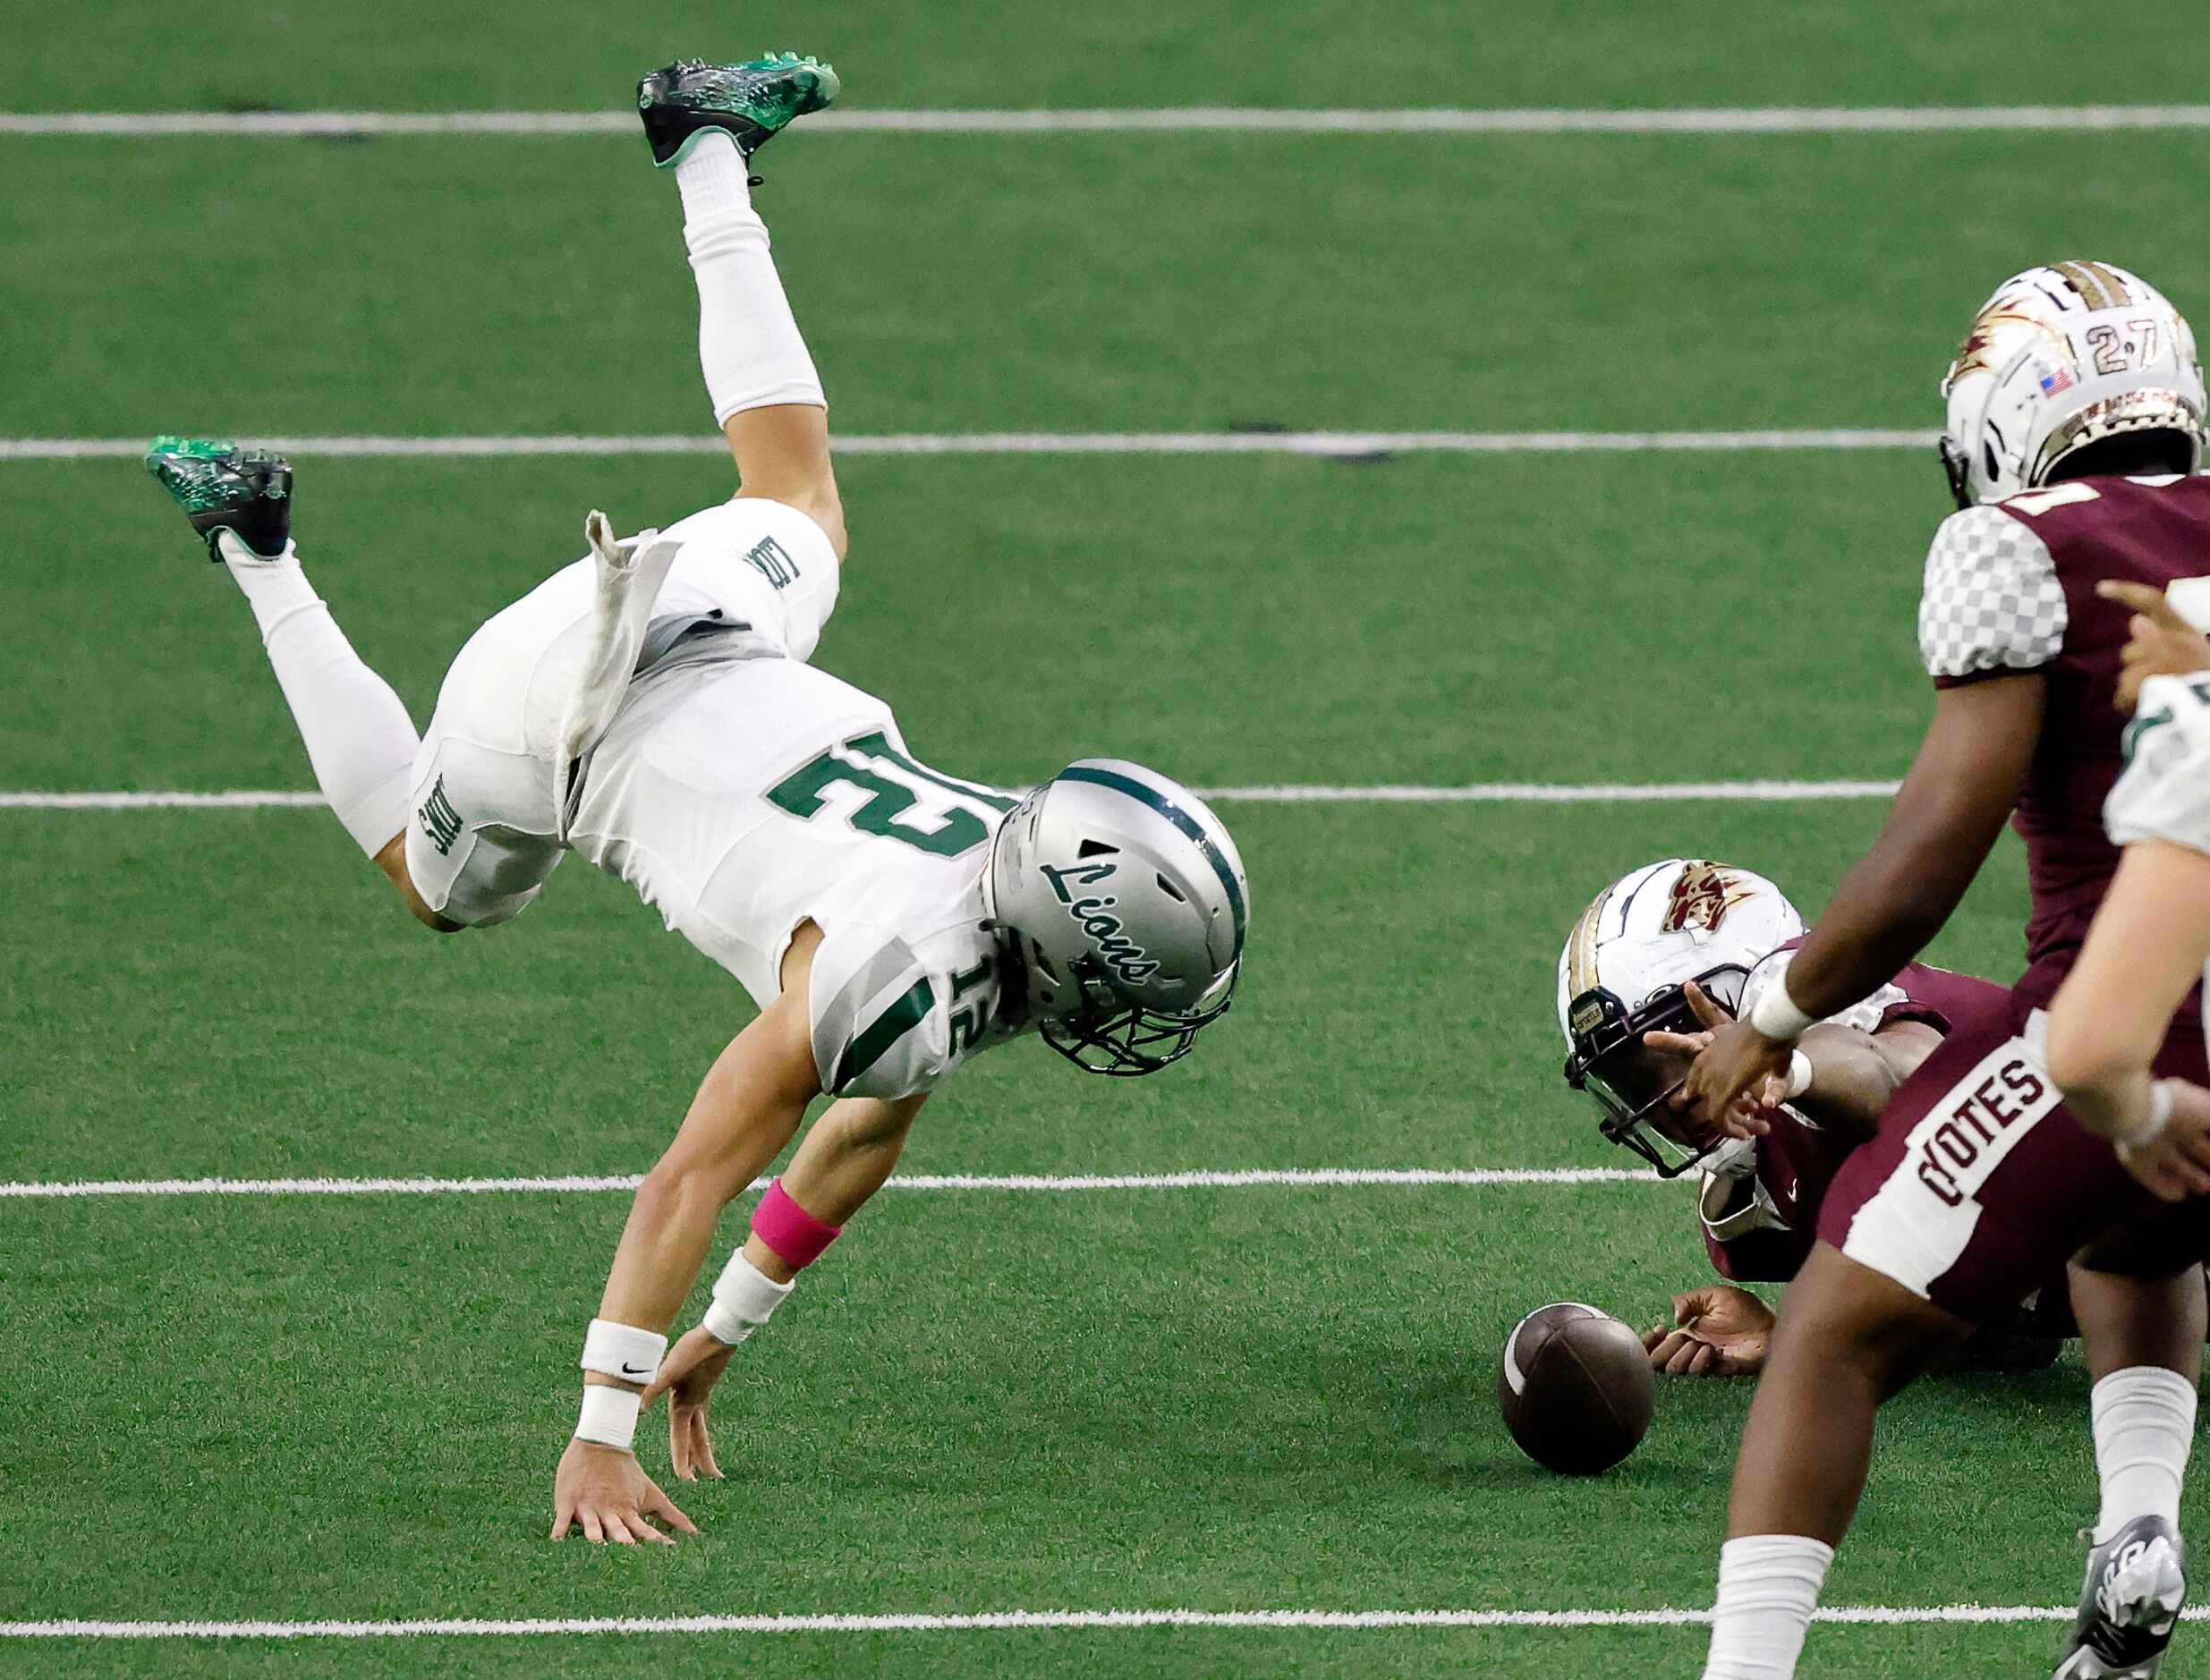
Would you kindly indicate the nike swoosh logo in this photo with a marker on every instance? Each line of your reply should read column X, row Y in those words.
column 629, row 1369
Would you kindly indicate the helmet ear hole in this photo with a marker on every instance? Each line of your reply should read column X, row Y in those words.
column 1036, row 955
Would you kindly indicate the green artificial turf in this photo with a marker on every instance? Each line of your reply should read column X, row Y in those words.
column 1435, row 620
column 433, row 55
column 1061, row 282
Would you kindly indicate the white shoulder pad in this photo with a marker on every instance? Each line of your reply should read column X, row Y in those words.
column 889, row 1021
column 2164, row 793
column 1991, row 600
column 1863, row 1016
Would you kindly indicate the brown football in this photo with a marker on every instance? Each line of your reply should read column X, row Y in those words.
column 1576, row 1390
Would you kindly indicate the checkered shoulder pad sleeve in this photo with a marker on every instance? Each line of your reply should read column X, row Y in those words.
column 1991, row 600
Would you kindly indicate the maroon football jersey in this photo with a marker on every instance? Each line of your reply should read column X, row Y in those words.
column 1797, row 1161
column 2010, row 587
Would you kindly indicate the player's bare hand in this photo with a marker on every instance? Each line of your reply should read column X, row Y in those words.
column 1717, row 1331
column 688, row 1375
column 2162, row 643
column 604, row 1491
column 2175, row 1164
column 1711, row 1015
column 1726, row 1085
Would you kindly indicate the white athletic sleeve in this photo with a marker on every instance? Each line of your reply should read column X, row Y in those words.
column 889, row 1020
column 1992, row 601
column 2164, row 793
column 1864, row 1017
column 792, row 555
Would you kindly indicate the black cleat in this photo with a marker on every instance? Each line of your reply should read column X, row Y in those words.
column 2136, row 1582
column 752, row 103
column 222, row 487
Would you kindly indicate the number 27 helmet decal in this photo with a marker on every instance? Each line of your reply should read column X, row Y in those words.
column 2061, row 357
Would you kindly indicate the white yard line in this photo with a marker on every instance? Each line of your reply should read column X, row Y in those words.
column 1475, row 794
column 1315, row 1178
column 1230, row 119
column 1325, row 444
column 999, row 1621
column 242, row 799
column 1548, row 793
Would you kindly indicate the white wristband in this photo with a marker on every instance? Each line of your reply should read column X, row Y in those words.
column 744, row 1299
column 1776, row 1016
column 2155, row 1121
column 609, row 1416
column 622, row 1351
column 1799, row 1074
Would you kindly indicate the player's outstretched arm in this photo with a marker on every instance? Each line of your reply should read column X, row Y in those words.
column 1961, row 789
column 1842, row 1080
column 2146, row 949
column 1855, row 1074
column 748, row 1107
column 845, row 1159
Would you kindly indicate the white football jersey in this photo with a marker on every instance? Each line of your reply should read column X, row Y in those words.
column 2164, row 793
column 743, row 799
column 740, row 791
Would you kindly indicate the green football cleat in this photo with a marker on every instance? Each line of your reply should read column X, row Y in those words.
column 751, row 102
column 222, row 487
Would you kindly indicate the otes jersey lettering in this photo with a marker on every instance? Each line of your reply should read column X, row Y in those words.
column 1922, row 1219
column 1968, row 1135
column 1770, row 1231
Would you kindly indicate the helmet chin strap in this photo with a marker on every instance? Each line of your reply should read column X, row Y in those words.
column 1953, row 464
column 1013, row 970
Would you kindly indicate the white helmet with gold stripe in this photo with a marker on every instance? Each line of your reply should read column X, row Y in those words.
column 1623, row 974
column 1664, row 923
column 2061, row 357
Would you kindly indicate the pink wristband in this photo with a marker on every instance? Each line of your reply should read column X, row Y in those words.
column 796, row 1236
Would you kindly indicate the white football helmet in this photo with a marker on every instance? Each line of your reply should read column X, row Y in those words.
column 1623, row 972
column 1128, row 902
column 2059, row 358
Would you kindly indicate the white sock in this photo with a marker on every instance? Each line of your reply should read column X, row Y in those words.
column 1768, row 1586
column 2144, row 1425
column 749, row 345
column 358, row 736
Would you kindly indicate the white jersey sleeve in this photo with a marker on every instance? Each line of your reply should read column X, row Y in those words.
column 891, row 1021
column 2164, row 793
column 1864, row 1017
column 1992, row 600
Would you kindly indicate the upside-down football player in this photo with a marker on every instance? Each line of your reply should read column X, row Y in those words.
column 651, row 708
column 1661, row 958
column 2074, row 430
